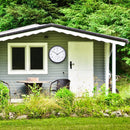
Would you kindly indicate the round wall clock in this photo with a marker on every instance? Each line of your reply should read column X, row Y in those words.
column 57, row 54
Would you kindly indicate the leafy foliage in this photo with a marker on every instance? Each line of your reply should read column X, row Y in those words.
column 101, row 16
column 19, row 13
column 63, row 2
column 18, row 109
column 65, row 94
column 4, row 95
column 114, row 99
column 65, row 99
column 34, row 91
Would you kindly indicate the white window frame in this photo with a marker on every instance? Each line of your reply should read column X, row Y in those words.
column 27, row 69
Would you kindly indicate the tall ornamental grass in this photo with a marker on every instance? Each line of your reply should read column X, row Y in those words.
column 40, row 106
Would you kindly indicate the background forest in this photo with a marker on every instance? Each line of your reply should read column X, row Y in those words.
column 111, row 17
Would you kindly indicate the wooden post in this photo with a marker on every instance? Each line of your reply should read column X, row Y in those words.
column 113, row 68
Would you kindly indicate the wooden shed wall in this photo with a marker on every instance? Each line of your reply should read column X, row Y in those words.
column 55, row 71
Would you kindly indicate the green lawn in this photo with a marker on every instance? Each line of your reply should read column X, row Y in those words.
column 67, row 124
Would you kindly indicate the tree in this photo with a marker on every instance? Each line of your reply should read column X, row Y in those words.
column 100, row 17
column 20, row 13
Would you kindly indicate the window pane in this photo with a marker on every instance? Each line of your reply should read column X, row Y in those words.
column 36, row 58
column 18, row 58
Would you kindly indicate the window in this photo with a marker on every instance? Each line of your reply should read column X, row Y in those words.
column 36, row 58
column 27, row 58
column 18, row 58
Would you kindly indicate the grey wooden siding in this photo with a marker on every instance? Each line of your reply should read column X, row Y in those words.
column 99, row 66
column 55, row 71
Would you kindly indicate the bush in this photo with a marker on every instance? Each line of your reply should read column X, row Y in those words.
column 34, row 91
column 65, row 99
column 127, row 101
column 114, row 99
column 126, row 109
column 4, row 95
column 65, row 95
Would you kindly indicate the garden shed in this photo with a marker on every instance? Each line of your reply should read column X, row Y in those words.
column 51, row 51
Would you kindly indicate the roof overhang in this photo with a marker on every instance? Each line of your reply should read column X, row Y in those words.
column 61, row 29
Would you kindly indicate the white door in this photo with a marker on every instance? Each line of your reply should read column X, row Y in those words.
column 80, row 66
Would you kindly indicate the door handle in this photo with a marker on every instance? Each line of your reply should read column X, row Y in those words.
column 71, row 64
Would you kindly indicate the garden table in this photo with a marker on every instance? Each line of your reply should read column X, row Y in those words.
column 31, row 81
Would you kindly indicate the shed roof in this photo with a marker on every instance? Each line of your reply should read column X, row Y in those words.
column 37, row 28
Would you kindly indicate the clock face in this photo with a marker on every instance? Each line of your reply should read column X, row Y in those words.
column 57, row 54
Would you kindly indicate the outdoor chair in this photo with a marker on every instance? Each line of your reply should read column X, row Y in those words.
column 59, row 83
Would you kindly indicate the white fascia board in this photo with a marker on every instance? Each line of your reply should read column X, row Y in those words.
column 106, row 40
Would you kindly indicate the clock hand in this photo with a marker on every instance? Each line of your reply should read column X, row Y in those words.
column 59, row 52
column 54, row 52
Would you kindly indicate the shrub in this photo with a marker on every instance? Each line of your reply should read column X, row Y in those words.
column 114, row 99
column 65, row 98
column 4, row 95
column 127, row 101
column 65, row 95
column 126, row 109
column 34, row 90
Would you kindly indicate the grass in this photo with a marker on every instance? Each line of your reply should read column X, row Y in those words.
column 67, row 123
column 123, row 86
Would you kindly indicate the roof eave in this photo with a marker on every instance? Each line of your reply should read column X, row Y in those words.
column 44, row 27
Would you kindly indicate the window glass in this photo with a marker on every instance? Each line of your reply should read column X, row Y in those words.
column 36, row 58
column 18, row 58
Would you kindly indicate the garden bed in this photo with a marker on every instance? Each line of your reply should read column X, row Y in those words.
column 65, row 104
